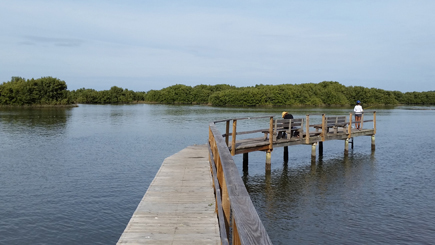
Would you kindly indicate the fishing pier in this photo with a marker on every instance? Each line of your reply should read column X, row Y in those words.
column 298, row 131
column 198, row 196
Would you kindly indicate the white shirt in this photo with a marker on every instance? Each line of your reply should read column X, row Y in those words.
column 358, row 109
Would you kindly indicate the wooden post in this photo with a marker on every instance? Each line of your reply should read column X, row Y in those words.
column 320, row 148
column 271, row 133
column 235, row 237
column 226, row 208
column 373, row 143
column 245, row 161
column 362, row 119
column 323, row 127
column 233, row 145
column 268, row 161
column 346, row 146
column 227, row 132
column 374, row 122
column 313, row 151
column 349, row 127
column 285, row 153
column 307, row 132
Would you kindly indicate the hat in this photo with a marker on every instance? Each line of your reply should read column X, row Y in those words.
column 283, row 113
column 358, row 101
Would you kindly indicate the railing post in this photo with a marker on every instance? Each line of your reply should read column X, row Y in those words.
column 323, row 127
column 374, row 122
column 362, row 120
column 235, row 237
column 227, row 132
column 307, row 134
column 349, row 128
column 271, row 133
column 233, row 145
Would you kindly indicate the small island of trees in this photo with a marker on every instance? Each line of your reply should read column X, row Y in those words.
column 53, row 91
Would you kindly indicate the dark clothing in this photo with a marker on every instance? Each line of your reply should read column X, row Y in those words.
column 288, row 116
column 282, row 134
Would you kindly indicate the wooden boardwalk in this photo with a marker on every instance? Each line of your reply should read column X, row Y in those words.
column 179, row 205
column 259, row 143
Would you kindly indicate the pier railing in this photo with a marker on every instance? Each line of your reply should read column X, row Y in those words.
column 238, row 220
column 315, row 128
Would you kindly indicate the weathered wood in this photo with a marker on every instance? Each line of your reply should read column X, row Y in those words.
column 247, row 228
column 323, row 127
column 227, row 132
column 233, row 145
column 287, row 126
column 270, row 133
column 313, row 151
column 307, row 130
column 346, row 146
column 268, row 160
column 373, row 143
column 222, row 228
column 179, row 205
column 374, row 122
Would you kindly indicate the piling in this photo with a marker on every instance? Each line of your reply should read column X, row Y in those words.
column 313, row 151
column 245, row 161
column 320, row 148
column 373, row 143
column 268, row 161
column 346, row 146
column 285, row 153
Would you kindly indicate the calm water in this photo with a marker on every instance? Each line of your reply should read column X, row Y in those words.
column 75, row 176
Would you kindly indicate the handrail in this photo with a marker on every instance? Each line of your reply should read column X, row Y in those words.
column 222, row 228
column 243, row 118
column 242, row 223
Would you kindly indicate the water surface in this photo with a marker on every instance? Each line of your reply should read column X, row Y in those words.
column 75, row 176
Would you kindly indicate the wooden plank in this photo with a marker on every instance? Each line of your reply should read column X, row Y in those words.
column 236, row 188
column 233, row 145
column 219, row 209
column 179, row 205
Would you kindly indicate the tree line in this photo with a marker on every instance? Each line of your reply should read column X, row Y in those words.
column 315, row 94
column 52, row 91
column 42, row 91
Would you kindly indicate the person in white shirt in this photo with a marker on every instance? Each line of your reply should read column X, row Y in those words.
column 358, row 112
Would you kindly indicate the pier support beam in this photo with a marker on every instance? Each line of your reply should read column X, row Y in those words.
column 321, row 148
column 346, row 146
column 268, row 161
column 285, row 153
column 373, row 143
column 245, row 161
column 313, row 151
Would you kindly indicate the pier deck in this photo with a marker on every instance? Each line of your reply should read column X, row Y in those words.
column 179, row 205
column 259, row 143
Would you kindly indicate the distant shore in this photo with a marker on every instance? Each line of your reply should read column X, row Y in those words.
column 40, row 106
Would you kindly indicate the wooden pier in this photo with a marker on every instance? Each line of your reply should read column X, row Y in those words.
column 326, row 129
column 198, row 196
column 179, row 205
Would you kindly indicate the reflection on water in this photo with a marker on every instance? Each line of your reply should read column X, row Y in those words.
column 45, row 118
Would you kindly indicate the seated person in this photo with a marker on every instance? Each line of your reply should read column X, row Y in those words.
column 285, row 115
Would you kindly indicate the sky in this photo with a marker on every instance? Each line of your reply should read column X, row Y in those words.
column 144, row 45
